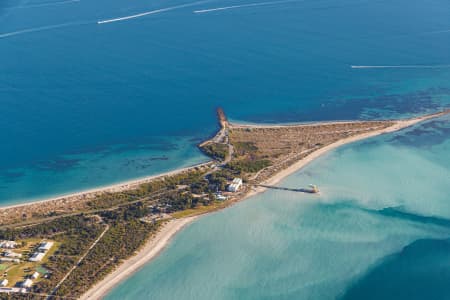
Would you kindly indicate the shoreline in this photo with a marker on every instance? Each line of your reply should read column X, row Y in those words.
column 297, row 166
column 399, row 125
column 112, row 188
column 150, row 250
column 156, row 244
column 130, row 184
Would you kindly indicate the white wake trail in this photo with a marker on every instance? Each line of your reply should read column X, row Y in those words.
column 45, row 4
column 150, row 12
column 202, row 11
column 402, row 67
column 37, row 29
column 438, row 31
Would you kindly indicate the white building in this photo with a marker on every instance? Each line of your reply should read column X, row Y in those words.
column 7, row 259
column 12, row 254
column 235, row 185
column 37, row 256
column 8, row 244
column 221, row 197
column 45, row 246
column 35, row 275
column 9, row 290
column 4, row 282
column 237, row 181
column 27, row 283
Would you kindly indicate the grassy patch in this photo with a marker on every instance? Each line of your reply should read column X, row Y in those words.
column 191, row 212
column 196, row 211
column 41, row 270
column 18, row 272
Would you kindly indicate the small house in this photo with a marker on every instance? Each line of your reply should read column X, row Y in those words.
column 220, row 197
column 45, row 246
column 37, row 256
column 8, row 259
column 235, row 185
column 4, row 282
column 12, row 254
column 8, row 244
column 27, row 283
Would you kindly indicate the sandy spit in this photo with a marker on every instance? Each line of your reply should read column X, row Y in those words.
column 163, row 237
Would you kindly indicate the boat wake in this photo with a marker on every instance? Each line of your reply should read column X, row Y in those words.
column 438, row 31
column 42, row 28
column 44, row 4
column 202, row 11
column 402, row 67
column 150, row 12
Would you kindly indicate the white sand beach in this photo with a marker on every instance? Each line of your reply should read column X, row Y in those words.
column 153, row 247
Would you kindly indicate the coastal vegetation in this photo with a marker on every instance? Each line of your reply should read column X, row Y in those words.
column 247, row 158
column 126, row 234
column 248, row 166
column 216, row 151
column 245, row 148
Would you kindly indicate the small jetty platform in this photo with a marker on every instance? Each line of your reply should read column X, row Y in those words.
column 312, row 189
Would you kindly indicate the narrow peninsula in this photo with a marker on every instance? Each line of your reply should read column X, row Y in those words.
column 83, row 245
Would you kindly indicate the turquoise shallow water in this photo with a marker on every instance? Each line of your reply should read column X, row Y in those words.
column 70, row 87
column 80, row 170
column 379, row 230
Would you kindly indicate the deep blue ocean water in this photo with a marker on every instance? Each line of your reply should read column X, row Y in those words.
column 84, row 104
column 81, row 99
